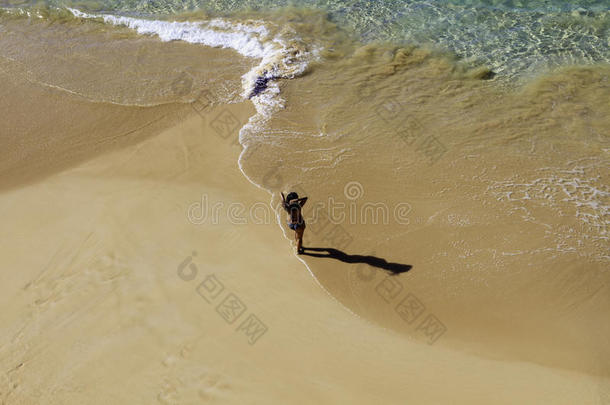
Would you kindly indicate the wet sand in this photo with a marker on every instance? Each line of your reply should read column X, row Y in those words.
column 500, row 207
column 99, row 303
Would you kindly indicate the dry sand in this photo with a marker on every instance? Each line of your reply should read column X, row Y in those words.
column 99, row 304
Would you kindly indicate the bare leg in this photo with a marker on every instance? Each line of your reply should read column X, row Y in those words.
column 298, row 236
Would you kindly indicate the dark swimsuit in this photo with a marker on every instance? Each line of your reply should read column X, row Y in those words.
column 294, row 225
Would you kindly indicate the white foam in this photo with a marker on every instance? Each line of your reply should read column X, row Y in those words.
column 579, row 190
column 242, row 40
column 251, row 39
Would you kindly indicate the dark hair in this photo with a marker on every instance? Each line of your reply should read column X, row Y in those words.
column 292, row 196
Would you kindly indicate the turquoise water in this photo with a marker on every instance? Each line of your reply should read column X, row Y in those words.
column 511, row 37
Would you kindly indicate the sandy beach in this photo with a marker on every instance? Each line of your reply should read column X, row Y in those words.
column 146, row 258
column 96, row 307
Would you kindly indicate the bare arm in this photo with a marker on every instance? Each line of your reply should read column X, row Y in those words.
column 302, row 201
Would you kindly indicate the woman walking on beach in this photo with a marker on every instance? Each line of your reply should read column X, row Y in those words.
column 293, row 204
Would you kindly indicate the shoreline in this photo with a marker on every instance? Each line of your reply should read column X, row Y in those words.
column 500, row 234
column 152, row 329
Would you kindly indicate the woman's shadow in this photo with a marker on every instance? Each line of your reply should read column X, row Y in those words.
column 374, row 261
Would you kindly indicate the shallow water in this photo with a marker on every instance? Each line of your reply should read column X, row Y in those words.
column 515, row 38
